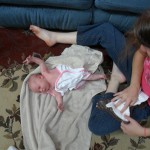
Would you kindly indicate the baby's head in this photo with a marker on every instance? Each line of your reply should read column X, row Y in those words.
column 37, row 83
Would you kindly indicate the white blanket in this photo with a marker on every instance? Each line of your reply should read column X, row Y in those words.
column 46, row 128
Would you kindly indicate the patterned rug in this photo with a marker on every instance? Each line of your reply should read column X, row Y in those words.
column 15, row 45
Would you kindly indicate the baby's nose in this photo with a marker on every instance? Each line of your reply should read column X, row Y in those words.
column 43, row 90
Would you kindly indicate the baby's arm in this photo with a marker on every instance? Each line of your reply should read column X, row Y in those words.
column 31, row 59
column 59, row 99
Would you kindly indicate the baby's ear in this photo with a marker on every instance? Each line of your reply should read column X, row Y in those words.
column 41, row 76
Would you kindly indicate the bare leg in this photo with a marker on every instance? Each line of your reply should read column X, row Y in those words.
column 51, row 38
column 91, row 77
column 96, row 77
column 116, row 78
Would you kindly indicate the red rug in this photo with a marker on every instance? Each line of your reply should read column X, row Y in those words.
column 17, row 44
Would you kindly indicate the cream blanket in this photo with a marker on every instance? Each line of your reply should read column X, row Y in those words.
column 46, row 128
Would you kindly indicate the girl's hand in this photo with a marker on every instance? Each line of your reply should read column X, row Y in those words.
column 133, row 128
column 128, row 95
column 28, row 60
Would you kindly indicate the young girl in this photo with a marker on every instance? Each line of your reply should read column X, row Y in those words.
column 142, row 37
column 59, row 80
column 113, row 41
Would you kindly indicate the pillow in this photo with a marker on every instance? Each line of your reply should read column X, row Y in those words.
column 135, row 6
column 74, row 4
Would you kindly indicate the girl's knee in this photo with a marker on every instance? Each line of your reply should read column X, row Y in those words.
column 98, row 128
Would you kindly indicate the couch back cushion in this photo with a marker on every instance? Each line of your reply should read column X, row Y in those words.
column 122, row 20
column 73, row 4
column 50, row 18
column 135, row 6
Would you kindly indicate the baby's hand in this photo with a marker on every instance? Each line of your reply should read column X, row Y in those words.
column 60, row 107
column 28, row 60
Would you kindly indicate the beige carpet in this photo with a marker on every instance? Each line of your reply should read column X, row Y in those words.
column 14, row 46
column 10, row 129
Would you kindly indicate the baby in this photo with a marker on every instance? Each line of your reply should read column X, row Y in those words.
column 59, row 80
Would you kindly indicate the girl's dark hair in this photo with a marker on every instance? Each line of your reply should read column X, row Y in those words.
column 142, row 29
column 139, row 35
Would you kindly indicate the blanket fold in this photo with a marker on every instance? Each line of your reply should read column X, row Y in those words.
column 46, row 128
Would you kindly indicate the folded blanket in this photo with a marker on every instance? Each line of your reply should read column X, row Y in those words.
column 46, row 128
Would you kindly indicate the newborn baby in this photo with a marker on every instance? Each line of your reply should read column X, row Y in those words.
column 58, row 80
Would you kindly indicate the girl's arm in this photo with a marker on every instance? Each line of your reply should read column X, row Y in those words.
column 130, row 94
column 137, row 69
column 134, row 128
column 40, row 62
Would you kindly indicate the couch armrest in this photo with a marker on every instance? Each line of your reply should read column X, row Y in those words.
column 135, row 6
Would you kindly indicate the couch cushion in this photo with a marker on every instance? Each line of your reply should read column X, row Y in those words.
column 122, row 21
column 63, row 19
column 135, row 6
column 74, row 4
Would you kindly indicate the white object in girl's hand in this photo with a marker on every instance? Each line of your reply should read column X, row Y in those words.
column 12, row 148
column 141, row 98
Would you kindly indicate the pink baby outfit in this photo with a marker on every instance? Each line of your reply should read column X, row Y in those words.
column 146, row 78
column 69, row 78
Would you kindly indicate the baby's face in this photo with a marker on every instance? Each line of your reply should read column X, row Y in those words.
column 39, row 84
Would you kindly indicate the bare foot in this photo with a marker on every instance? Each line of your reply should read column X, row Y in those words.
column 47, row 36
column 117, row 75
column 116, row 78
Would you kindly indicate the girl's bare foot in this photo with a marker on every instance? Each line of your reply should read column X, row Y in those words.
column 117, row 75
column 116, row 78
column 47, row 36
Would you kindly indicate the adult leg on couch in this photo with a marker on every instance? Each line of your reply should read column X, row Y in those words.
column 51, row 38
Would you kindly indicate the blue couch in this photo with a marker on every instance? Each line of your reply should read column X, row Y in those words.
column 67, row 15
